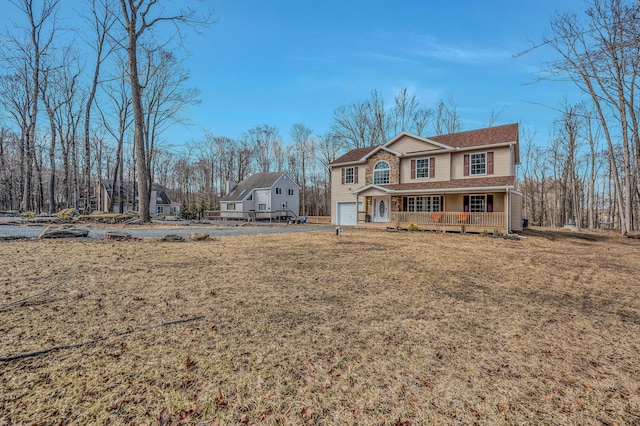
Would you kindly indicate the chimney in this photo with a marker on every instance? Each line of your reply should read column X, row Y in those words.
column 231, row 186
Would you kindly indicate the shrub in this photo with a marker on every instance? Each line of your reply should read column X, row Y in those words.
column 413, row 227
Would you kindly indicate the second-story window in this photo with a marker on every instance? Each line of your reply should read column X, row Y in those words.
column 278, row 191
column 290, row 191
column 478, row 163
column 381, row 173
column 422, row 168
column 348, row 175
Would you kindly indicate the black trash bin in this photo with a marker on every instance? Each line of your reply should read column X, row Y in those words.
column 367, row 218
column 525, row 223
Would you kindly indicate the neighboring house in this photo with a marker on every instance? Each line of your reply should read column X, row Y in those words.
column 460, row 181
column 159, row 204
column 261, row 196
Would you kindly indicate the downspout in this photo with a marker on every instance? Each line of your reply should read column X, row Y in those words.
column 507, row 212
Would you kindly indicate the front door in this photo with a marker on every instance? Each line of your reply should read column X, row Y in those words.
column 380, row 209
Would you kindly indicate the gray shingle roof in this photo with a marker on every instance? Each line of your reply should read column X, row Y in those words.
column 255, row 181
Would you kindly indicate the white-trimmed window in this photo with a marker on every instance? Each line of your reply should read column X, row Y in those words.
column 478, row 163
column 176, row 209
column 278, row 191
column 250, row 197
column 478, row 203
column 349, row 173
column 430, row 203
column 262, row 206
column 381, row 173
column 290, row 191
column 231, row 206
column 160, row 209
column 422, row 168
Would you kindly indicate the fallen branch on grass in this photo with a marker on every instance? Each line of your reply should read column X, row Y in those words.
column 17, row 302
column 100, row 339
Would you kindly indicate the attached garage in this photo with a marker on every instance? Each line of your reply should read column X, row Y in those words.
column 347, row 214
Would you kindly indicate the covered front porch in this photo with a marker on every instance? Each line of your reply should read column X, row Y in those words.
column 457, row 212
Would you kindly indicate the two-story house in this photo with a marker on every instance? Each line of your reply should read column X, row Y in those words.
column 458, row 182
column 261, row 196
column 159, row 203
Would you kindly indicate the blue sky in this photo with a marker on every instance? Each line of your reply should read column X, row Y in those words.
column 281, row 62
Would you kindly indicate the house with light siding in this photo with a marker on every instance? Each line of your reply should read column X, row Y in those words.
column 261, row 196
column 159, row 204
column 460, row 182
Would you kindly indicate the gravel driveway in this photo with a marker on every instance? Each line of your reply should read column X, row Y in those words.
column 33, row 231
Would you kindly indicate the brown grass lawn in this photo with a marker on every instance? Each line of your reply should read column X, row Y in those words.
column 370, row 328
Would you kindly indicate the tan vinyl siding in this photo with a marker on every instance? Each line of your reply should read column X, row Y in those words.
column 409, row 144
column 443, row 170
column 515, row 215
column 498, row 201
column 454, row 202
column 501, row 163
column 340, row 191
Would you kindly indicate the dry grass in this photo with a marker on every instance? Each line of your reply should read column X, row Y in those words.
column 370, row 328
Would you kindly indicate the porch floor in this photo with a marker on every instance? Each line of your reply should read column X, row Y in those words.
column 438, row 228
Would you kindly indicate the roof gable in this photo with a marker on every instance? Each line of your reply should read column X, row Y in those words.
column 407, row 143
column 255, row 181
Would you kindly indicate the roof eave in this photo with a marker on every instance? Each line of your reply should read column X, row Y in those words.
column 452, row 190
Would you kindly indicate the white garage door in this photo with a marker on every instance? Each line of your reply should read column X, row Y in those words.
column 347, row 214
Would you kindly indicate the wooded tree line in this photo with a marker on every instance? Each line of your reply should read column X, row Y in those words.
column 588, row 171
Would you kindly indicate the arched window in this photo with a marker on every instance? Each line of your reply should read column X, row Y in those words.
column 381, row 173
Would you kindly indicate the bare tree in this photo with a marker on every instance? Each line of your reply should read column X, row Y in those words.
column 262, row 139
column 117, row 119
column 40, row 32
column 165, row 98
column 601, row 56
column 304, row 147
column 329, row 147
column 446, row 118
column 15, row 96
column 404, row 110
column 351, row 125
column 138, row 18
column 101, row 19
column 493, row 118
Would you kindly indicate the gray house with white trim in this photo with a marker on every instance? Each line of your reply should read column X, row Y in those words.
column 261, row 196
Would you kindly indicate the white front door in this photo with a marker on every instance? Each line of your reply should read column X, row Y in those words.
column 380, row 209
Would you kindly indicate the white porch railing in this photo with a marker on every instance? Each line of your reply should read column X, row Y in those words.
column 485, row 220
